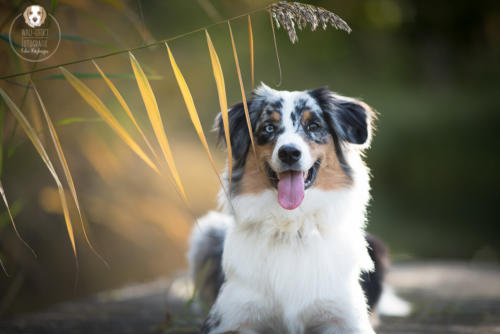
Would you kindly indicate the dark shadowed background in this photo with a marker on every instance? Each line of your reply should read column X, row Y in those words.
column 430, row 68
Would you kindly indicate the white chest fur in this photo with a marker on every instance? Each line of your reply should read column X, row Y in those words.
column 289, row 266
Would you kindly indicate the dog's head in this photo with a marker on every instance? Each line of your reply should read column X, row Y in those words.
column 34, row 16
column 301, row 140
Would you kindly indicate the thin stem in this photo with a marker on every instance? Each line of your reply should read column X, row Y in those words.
column 145, row 46
column 276, row 49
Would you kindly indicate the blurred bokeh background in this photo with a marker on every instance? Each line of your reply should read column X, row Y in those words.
column 430, row 68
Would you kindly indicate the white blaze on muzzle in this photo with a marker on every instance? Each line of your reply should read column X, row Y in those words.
column 291, row 182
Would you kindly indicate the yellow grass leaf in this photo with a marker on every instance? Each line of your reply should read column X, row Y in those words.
column 250, row 38
column 243, row 96
column 193, row 114
column 64, row 164
column 4, row 198
column 221, row 90
column 30, row 132
column 156, row 122
column 126, row 108
column 103, row 111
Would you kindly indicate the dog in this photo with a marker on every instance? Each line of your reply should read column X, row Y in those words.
column 288, row 253
column 34, row 16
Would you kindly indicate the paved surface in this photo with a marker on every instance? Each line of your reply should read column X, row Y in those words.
column 446, row 297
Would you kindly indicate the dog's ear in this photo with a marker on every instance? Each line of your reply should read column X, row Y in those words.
column 238, row 129
column 44, row 15
column 25, row 15
column 351, row 119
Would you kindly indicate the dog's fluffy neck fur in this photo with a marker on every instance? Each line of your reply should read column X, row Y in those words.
column 294, row 258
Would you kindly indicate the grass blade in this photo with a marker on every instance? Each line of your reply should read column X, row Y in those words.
column 106, row 114
column 6, row 38
column 276, row 48
column 221, row 91
column 125, row 107
column 30, row 132
column 85, row 75
column 243, row 96
column 53, row 5
column 71, row 120
column 156, row 122
column 250, row 38
column 4, row 198
column 67, row 173
column 3, row 268
column 193, row 114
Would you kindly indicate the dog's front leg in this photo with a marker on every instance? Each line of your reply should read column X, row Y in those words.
column 345, row 313
column 236, row 310
column 356, row 317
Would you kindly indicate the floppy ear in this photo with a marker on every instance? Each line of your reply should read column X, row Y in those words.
column 351, row 119
column 238, row 130
column 44, row 15
column 25, row 15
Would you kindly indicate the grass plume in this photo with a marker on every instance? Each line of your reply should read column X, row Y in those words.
column 287, row 14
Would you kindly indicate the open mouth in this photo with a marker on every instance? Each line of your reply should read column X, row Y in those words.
column 291, row 184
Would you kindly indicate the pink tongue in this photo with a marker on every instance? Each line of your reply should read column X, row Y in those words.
column 290, row 189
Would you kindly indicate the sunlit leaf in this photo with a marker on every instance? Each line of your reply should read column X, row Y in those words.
column 125, row 107
column 243, row 95
column 156, row 121
column 221, row 91
column 106, row 114
column 30, row 132
column 193, row 114
column 64, row 164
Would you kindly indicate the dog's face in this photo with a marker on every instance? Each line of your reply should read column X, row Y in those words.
column 34, row 16
column 300, row 139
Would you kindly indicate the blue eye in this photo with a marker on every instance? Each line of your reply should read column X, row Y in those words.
column 269, row 128
column 313, row 126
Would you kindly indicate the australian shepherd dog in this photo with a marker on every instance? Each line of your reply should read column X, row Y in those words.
column 288, row 253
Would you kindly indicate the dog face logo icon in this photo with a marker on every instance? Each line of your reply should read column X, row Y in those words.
column 34, row 16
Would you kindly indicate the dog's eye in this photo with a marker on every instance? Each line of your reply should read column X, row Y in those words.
column 313, row 126
column 269, row 128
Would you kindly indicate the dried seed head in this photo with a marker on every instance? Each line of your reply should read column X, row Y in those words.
column 287, row 14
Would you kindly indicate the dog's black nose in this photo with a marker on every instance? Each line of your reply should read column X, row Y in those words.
column 35, row 19
column 289, row 154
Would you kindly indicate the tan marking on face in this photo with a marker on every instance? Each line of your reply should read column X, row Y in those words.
column 330, row 174
column 254, row 178
column 306, row 116
column 275, row 116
